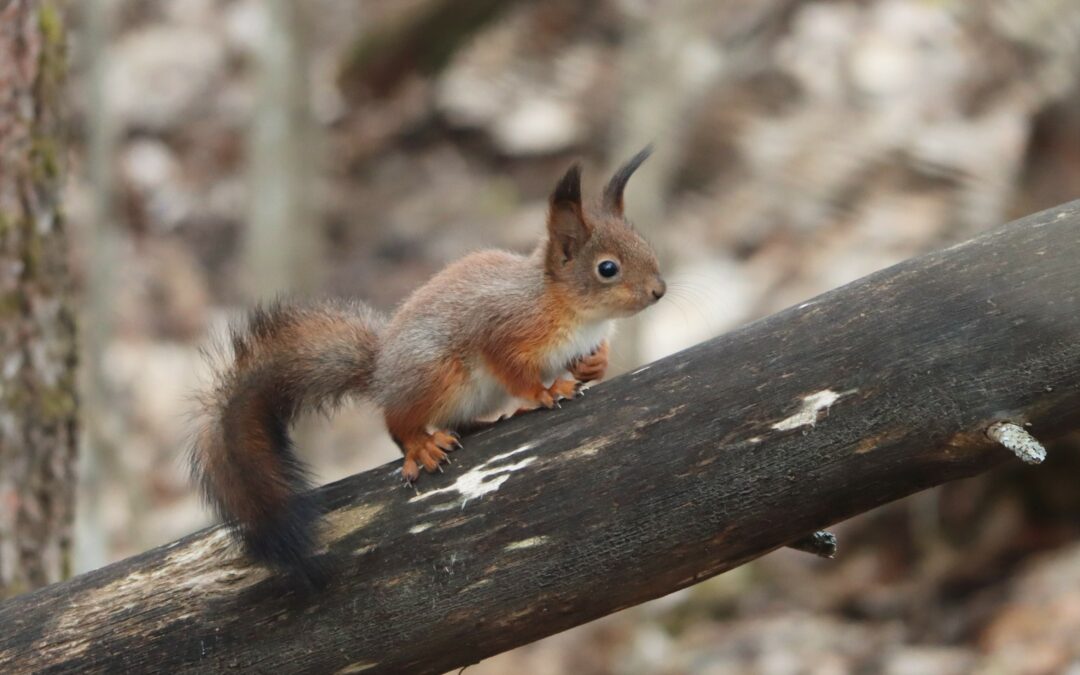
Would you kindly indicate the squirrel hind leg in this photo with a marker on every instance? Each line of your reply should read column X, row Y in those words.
column 427, row 450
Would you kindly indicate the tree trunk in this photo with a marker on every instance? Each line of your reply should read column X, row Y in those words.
column 281, row 246
column 37, row 333
column 652, row 482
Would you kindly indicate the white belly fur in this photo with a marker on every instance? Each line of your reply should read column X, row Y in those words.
column 484, row 396
column 584, row 341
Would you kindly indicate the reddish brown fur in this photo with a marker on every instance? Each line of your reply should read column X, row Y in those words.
column 591, row 367
column 287, row 358
column 491, row 325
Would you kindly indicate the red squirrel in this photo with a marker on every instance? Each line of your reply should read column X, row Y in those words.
column 490, row 328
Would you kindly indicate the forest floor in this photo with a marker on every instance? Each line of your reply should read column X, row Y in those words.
column 800, row 146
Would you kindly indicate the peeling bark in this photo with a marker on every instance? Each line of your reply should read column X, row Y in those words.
column 37, row 336
column 654, row 481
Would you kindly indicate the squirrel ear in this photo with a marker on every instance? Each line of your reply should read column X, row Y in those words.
column 567, row 229
column 613, row 193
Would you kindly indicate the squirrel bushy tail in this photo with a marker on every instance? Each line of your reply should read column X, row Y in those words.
column 287, row 359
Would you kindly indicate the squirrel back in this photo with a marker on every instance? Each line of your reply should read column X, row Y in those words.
column 286, row 358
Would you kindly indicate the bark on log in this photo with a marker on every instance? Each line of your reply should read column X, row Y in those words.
column 654, row 481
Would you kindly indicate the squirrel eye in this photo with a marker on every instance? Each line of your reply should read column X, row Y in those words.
column 608, row 268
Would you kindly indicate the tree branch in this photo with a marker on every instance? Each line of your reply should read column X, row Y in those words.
column 655, row 481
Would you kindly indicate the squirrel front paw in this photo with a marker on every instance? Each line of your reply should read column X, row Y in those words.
column 560, row 390
column 549, row 397
column 592, row 367
column 428, row 451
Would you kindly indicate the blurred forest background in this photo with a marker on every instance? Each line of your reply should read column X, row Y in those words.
column 224, row 151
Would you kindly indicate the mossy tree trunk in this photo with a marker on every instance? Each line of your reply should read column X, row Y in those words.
column 37, row 333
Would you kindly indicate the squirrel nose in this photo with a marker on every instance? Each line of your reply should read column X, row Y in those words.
column 659, row 290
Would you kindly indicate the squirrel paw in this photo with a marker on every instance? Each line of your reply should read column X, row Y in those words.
column 592, row 367
column 561, row 390
column 428, row 451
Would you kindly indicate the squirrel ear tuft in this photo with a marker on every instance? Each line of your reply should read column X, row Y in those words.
column 567, row 229
column 613, row 193
column 569, row 187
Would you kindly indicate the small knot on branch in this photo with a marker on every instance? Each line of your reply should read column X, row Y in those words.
column 821, row 543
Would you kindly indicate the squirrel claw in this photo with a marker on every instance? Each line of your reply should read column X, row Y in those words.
column 410, row 471
column 562, row 390
column 445, row 441
column 428, row 451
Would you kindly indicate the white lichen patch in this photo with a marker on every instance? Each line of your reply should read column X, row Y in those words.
column 357, row 667
column 1016, row 438
column 812, row 408
column 525, row 543
column 477, row 482
column 505, row 455
column 448, row 506
column 417, row 529
column 184, row 578
column 586, row 450
column 347, row 521
column 647, row 421
column 216, row 541
column 476, row 584
column 214, row 562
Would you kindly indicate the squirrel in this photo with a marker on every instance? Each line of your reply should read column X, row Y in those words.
column 491, row 327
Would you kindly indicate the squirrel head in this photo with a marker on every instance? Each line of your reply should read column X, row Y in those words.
column 594, row 253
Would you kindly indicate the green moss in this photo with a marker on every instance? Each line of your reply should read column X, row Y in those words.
column 9, row 305
column 47, row 403
column 44, row 158
column 49, row 406
column 56, row 403
column 33, row 254
column 45, row 149
column 14, row 587
column 7, row 229
column 51, row 24
column 53, row 59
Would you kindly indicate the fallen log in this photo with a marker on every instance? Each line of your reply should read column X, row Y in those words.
column 654, row 481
